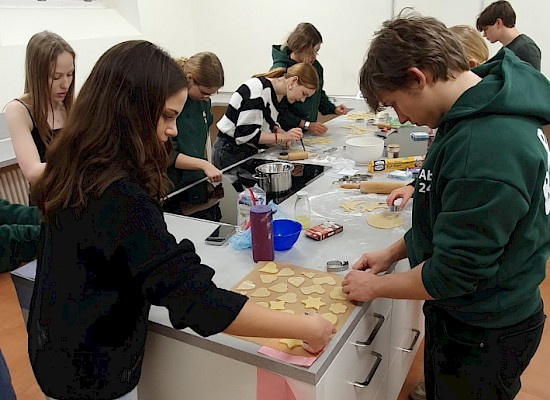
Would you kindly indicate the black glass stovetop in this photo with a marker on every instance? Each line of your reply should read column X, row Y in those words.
column 219, row 202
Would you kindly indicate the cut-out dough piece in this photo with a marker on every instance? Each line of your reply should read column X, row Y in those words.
column 269, row 268
column 329, row 280
column 279, row 288
column 296, row 281
column 330, row 317
column 292, row 343
column 246, row 285
column 288, row 311
column 260, row 292
column 338, row 308
column 385, row 220
column 286, row 272
column 277, row 305
column 263, row 304
column 338, row 294
column 309, row 274
column 375, row 204
column 268, row 278
column 288, row 298
column 313, row 302
column 313, row 289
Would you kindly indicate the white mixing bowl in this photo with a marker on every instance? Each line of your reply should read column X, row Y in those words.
column 364, row 149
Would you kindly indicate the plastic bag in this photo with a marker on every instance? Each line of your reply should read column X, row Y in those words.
column 246, row 199
column 243, row 238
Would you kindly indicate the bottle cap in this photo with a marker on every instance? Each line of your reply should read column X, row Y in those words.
column 302, row 193
column 260, row 209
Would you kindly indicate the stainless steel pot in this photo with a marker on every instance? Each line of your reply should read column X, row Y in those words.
column 275, row 177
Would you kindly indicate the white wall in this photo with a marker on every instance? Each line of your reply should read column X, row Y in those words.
column 240, row 32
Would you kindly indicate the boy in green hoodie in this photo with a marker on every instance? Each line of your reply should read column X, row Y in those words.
column 480, row 236
column 302, row 45
column 19, row 231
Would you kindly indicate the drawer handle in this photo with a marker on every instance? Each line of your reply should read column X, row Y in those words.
column 372, row 371
column 374, row 332
column 415, row 339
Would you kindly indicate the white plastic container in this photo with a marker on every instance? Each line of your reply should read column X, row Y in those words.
column 364, row 149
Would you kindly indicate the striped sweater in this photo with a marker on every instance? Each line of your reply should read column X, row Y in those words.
column 252, row 110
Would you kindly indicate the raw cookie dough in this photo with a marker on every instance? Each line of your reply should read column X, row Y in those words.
column 308, row 274
column 338, row 294
column 246, row 285
column 329, row 280
column 385, row 220
column 285, row 272
column 260, row 292
column 338, row 308
column 263, row 304
column 279, row 288
column 277, row 305
column 313, row 289
column 288, row 298
column 330, row 317
column 291, row 343
column 270, row 268
column 313, row 302
column 268, row 278
column 296, row 281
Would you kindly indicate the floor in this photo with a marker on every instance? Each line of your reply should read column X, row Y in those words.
column 534, row 380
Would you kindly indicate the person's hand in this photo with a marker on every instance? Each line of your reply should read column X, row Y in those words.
column 360, row 285
column 293, row 134
column 321, row 332
column 341, row 110
column 213, row 173
column 374, row 261
column 317, row 128
column 404, row 193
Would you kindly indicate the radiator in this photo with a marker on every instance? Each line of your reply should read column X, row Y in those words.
column 13, row 185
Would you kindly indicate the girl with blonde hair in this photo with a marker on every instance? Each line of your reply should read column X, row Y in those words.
column 474, row 46
column 188, row 162
column 38, row 115
column 250, row 122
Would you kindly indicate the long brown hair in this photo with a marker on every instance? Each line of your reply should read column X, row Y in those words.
column 306, row 74
column 205, row 68
column 111, row 133
column 303, row 38
column 40, row 63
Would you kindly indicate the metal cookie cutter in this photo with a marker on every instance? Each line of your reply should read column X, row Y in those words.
column 337, row 266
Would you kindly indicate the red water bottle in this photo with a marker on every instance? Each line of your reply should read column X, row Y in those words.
column 261, row 232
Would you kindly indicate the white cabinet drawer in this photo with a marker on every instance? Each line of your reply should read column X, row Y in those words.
column 361, row 366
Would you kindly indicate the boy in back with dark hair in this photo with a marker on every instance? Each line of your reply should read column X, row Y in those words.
column 498, row 24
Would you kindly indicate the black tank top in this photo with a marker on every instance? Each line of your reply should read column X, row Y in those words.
column 39, row 143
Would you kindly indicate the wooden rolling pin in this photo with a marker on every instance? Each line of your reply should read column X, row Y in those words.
column 297, row 155
column 382, row 187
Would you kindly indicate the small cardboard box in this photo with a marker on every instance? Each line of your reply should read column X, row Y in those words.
column 392, row 164
column 324, row 230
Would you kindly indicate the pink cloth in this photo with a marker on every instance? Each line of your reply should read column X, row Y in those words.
column 270, row 386
column 288, row 358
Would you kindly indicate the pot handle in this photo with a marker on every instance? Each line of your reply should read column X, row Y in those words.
column 262, row 177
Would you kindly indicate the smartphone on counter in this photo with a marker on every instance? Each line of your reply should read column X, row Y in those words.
column 220, row 235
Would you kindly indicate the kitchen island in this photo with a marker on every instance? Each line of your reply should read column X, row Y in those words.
column 368, row 358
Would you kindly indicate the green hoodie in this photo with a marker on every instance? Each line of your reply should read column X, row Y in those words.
column 19, row 232
column 482, row 201
column 290, row 115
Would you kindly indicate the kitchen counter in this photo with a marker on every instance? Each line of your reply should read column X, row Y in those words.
column 231, row 265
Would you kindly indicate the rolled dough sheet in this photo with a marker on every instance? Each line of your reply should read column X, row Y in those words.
column 385, row 220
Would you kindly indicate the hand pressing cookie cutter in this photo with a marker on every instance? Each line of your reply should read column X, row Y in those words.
column 337, row 266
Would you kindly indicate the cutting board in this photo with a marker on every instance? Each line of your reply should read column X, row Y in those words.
column 298, row 307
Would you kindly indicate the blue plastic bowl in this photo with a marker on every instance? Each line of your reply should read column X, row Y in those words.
column 285, row 233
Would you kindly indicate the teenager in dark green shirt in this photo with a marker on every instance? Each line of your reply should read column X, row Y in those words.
column 302, row 45
column 19, row 231
column 188, row 164
column 480, row 233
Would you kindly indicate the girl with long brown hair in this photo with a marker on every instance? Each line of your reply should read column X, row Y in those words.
column 38, row 115
column 106, row 254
